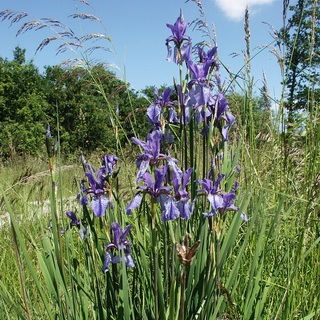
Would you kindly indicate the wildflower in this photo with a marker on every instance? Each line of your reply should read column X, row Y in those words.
column 182, row 43
column 220, row 202
column 169, row 209
column 179, row 182
column 220, row 108
column 151, row 187
column 98, row 191
column 99, row 186
column 121, row 244
column 207, row 56
column 152, row 152
column 75, row 222
column 157, row 191
column 108, row 163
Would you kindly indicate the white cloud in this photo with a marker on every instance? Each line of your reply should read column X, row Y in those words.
column 235, row 9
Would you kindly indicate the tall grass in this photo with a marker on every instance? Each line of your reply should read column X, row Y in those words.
column 199, row 268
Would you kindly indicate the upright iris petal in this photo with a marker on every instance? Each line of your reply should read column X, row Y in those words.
column 99, row 185
column 182, row 43
column 120, row 247
column 151, row 155
column 213, row 193
column 219, row 107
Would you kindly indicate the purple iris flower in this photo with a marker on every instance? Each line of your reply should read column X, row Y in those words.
column 183, row 202
column 156, row 110
column 152, row 152
column 220, row 108
column 108, row 162
column 163, row 100
column 219, row 201
column 228, row 202
column 75, row 222
column 213, row 194
column 153, row 187
column 206, row 56
column 121, row 244
column 154, row 115
column 169, row 208
column 99, row 186
column 199, row 87
column 182, row 43
column 199, row 72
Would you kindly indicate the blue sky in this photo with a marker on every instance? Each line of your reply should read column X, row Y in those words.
column 138, row 31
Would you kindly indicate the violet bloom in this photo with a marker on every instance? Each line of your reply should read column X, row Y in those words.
column 199, row 88
column 152, row 152
column 99, row 188
column 121, row 245
column 108, row 163
column 212, row 193
column 75, row 222
column 183, row 202
column 206, row 56
column 220, row 109
column 152, row 187
column 182, row 43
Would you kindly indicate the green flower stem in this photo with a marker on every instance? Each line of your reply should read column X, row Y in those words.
column 155, row 260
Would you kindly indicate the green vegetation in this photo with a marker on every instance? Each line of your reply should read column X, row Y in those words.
column 217, row 267
column 72, row 100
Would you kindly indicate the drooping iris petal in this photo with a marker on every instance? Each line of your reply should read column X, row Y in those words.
column 142, row 162
column 129, row 260
column 121, row 245
column 228, row 200
column 106, row 262
column 185, row 207
column 216, row 201
column 170, row 211
column 153, row 114
column 181, row 42
column 135, row 203
column 72, row 216
column 100, row 204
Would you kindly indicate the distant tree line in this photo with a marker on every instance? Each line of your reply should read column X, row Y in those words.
column 89, row 109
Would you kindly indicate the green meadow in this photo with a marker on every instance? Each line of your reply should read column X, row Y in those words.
column 254, row 258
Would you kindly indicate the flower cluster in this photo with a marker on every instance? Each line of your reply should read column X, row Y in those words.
column 172, row 205
column 95, row 191
column 163, row 180
column 159, row 176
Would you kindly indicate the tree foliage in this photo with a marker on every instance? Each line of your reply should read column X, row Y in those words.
column 92, row 108
column 301, row 38
column 23, row 106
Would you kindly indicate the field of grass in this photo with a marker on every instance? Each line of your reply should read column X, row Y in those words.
column 265, row 265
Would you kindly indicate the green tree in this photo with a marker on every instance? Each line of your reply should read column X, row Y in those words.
column 22, row 106
column 301, row 38
column 95, row 110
